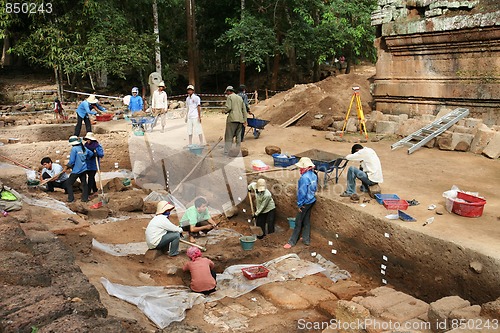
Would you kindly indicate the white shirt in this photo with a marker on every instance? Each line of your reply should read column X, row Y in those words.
column 192, row 103
column 369, row 162
column 56, row 168
column 157, row 227
column 159, row 100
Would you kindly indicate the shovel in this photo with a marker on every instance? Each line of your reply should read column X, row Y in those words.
column 102, row 196
column 253, row 227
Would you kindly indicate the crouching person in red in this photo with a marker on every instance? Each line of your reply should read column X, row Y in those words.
column 202, row 272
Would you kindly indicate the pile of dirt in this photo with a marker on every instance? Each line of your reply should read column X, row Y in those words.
column 329, row 97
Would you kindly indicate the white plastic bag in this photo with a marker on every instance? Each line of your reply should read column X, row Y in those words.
column 31, row 174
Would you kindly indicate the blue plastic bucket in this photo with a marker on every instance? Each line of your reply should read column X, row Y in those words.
column 197, row 150
column 291, row 222
column 247, row 242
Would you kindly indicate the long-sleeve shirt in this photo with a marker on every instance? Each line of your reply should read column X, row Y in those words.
column 235, row 109
column 135, row 104
column 157, row 227
column 91, row 162
column 306, row 190
column 244, row 96
column 78, row 159
column 369, row 162
column 201, row 277
column 159, row 100
column 84, row 109
column 264, row 200
column 56, row 168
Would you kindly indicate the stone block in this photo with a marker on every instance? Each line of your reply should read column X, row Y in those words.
column 350, row 312
column 151, row 255
column 405, row 311
column 131, row 204
column 469, row 312
column 149, row 207
column 283, row 297
column 481, row 139
column 337, row 125
column 376, row 116
column 346, row 289
column 99, row 213
column 273, row 150
column 330, row 136
column 492, row 150
column 431, row 144
column 370, row 125
column 410, row 126
column 352, row 125
column 440, row 310
column 443, row 112
column 491, row 309
column 472, row 122
column 461, row 141
column 403, row 117
column 379, row 291
column 379, row 304
column 463, row 129
column 312, row 294
column 386, row 127
column 244, row 151
column 328, row 308
column 322, row 124
column 114, row 185
column 428, row 118
column 394, row 118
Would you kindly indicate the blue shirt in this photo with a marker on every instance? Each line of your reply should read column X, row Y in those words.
column 306, row 191
column 84, row 109
column 91, row 163
column 78, row 159
column 135, row 104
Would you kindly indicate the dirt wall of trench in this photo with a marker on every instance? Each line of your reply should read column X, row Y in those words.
column 426, row 267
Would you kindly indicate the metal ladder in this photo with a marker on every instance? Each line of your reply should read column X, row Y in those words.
column 429, row 132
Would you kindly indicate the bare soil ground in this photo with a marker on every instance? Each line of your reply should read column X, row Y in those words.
column 423, row 176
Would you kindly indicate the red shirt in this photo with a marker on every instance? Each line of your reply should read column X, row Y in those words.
column 201, row 278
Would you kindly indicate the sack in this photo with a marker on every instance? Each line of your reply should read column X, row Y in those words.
column 7, row 195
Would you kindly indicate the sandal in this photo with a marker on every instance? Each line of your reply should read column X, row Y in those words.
column 287, row 246
column 413, row 202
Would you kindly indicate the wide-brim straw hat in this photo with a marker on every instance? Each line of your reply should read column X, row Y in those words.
column 229, row 88
column 163, row 206
column 304, row 162
column 90, row 136
column 74, row 140
column 161, row 84
column 92, row 99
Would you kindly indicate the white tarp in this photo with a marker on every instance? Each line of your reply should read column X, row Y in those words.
column 48, row 202
column 121, row 250
column 164, row 305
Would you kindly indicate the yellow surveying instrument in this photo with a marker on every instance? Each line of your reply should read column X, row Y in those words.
column 361, row 116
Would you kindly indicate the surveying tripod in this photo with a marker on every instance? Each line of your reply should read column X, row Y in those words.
column 361, row 116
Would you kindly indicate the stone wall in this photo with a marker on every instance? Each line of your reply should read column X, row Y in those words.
column 438, row 54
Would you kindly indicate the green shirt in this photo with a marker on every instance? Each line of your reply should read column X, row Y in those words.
column 192, row 216
column 265, row 202
column 235, row 109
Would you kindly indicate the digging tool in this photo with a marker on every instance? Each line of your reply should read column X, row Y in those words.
column 290, row 168
column 204, row 249
column 195, row 167
column 102, row 196
column 16, row 163
column 45, row 181
column 254, row 229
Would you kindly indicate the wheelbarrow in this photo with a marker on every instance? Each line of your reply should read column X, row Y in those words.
column 257, row 125
column 326, row 162
column 142, row 124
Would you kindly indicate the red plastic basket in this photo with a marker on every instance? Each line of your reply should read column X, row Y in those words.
column 104, row 117
column 255, row 272
column 396, row 204
column 473, row 207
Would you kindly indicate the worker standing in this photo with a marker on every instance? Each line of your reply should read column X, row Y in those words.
column 135, row 104
column 95, row 147
column 78, row 164
column 236, row 119
column 265, row 208
column 243, row 94
column 193, row 115
column 306, row 198
column 159, row 105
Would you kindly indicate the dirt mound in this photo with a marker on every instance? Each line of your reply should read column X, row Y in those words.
column 329, row 97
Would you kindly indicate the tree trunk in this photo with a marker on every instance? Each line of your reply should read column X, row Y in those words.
column 57, row 74
column 157, row 34
column 102, row 78
column 276, row 69
column 293, row 65
column 192, row 44
column 242, row 55
column 6, row 57
column 316, row 71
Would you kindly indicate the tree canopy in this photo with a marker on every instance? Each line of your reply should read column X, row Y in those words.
column 89, row 38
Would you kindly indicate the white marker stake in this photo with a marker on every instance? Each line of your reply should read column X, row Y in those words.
column 384, row 281
column 330, row 243
column 382, row 272
column 384, row 258
column 244, row 210
column 383, row 266
column 57, row 151
column 387, row 235
column 334, row 251
column 336, row 235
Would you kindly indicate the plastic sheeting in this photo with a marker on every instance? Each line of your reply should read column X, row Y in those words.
column 121, row 250
column 48, row 203
column 162, row 305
